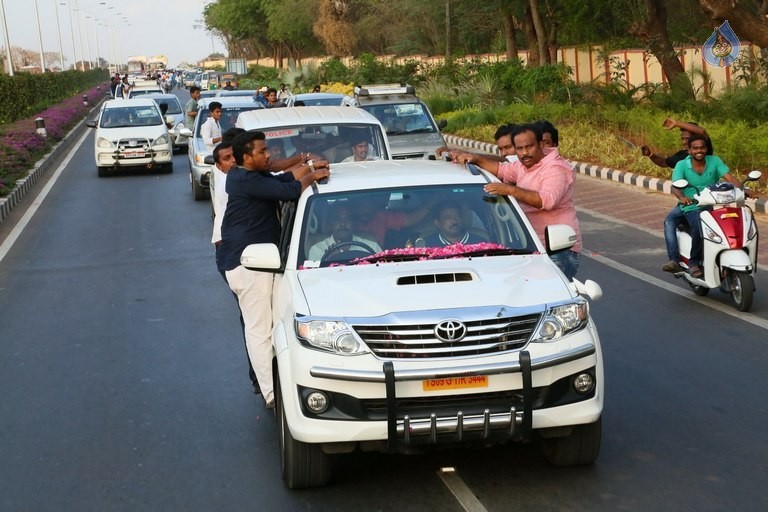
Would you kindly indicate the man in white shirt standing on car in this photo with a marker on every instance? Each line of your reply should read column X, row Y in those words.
column 211, row 129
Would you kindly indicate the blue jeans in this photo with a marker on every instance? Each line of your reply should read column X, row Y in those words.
column 567, row 261
column 674, row 217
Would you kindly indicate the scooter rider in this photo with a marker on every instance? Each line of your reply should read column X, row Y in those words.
column 700, row 170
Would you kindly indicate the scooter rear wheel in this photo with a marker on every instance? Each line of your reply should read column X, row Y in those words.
column 742, row 289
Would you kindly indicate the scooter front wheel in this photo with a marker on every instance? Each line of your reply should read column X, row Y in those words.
column 742, row 289
column 701, row 291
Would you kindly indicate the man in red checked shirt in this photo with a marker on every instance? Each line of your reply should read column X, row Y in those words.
column 542, row 181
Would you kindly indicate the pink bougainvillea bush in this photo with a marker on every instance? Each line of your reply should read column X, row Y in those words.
column 21, row 146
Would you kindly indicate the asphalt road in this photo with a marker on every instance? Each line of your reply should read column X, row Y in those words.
column 123, row 379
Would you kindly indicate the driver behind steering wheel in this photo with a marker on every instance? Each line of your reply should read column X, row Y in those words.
column 341, row 231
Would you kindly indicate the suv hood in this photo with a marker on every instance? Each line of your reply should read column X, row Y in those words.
column 415, row 143
column 374, row 290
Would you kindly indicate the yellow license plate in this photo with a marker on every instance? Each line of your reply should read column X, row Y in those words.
column 474, row 381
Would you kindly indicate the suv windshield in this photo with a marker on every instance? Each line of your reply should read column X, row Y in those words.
column 335, row 142
column 174, row 107
column 409, row 223
column 130, row 116
column 402, row 118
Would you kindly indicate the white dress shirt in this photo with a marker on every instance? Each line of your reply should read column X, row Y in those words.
column 209, row 131
column 219, row 199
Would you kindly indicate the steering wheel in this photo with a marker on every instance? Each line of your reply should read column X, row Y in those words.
column 341, row 245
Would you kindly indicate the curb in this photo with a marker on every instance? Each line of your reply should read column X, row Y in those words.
column 25, row 184
column 625, row 177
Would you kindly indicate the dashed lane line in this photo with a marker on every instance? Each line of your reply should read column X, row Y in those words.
column 460, row 490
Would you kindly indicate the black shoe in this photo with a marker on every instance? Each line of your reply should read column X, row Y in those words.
column 256, row 387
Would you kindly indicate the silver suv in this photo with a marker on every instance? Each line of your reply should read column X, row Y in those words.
column 411, row 129
column 199, row 171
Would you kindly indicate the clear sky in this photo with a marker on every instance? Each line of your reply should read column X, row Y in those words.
column 143, row 27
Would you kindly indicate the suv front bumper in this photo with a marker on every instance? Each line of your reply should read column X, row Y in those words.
column 525, row 391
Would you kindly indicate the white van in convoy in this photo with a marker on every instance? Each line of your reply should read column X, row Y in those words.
column 391, row 338
column 324, row 130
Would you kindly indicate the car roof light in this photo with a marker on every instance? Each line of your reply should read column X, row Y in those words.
column 384, row 89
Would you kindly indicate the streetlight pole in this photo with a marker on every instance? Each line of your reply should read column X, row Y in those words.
column 40, row 39
column 7, row 41
column 110, row 60
column 96, row 37
column 80, row 36
column 58, row 33
column 72, row 33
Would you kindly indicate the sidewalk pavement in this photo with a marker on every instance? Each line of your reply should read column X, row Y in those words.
column 631, row 198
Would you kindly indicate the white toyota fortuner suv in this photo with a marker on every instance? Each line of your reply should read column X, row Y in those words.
column 390, row 339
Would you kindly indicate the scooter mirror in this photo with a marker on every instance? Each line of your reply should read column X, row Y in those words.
column 682, row 183
column 754, row 175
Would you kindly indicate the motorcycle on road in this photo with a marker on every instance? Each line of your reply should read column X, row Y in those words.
column 729, row 234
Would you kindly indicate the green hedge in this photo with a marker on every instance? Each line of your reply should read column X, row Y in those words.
column 24, row 94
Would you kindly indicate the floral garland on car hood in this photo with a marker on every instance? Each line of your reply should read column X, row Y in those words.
column 430, row 253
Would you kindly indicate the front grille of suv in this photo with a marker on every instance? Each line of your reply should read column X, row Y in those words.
column 488, row 336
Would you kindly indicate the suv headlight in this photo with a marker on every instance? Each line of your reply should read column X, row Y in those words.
column 329, row 335
column 200, row 158
column 161, row 140
column 104, row 143
column 562, row 320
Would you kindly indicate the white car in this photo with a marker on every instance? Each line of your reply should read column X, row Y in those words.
column 131, row 133
column 315, row 99
column 173, row 108
column 421, row 344
column 141, row 87
column 328, row 131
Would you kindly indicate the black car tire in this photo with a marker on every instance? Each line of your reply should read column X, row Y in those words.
column 579, row 448
column 302, row 465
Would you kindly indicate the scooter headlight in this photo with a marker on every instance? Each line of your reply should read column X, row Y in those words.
column 710, row 234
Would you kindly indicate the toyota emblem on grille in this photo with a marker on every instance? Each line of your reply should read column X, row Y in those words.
column 450, row 330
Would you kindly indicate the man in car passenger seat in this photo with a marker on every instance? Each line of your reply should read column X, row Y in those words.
column 360, row 150
column 450, row 228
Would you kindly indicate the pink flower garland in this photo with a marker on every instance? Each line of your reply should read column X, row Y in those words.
column 429, row 253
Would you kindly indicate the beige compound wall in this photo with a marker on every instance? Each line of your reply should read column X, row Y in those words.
column 632, row 67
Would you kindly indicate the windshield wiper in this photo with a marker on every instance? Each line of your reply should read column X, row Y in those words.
column 377, row 258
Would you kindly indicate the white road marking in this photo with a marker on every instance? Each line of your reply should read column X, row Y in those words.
column 688, row 294
column 614, row 220
column 6, row 246
column 460, row 491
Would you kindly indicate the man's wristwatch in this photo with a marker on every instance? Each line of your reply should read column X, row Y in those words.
column 311, row 165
